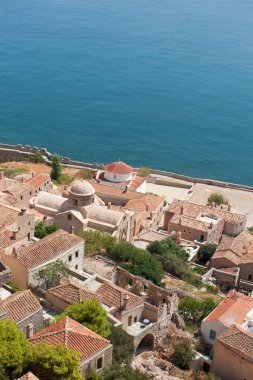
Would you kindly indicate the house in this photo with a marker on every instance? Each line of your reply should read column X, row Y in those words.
column 28, row 260
column 95, row 351
column 40, row 182
column 22, row 308
column 16, row 227
column 233, row 354
column 245, row 272
column 119, row 174
column 234, row 310
column 28, row 376
column 203, row 224
column 82, row 209
column 15, row 193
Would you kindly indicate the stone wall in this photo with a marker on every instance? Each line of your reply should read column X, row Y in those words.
column 5, row 274
column 92, row 362
column 36, row 320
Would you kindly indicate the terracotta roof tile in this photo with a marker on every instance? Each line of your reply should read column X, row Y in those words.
column 38, row 180
column 20, row 305
column 238, row 339
column 74, row 336
column 6, row 238
column 113, row 295
column 232, row 310
column 47, row 248
column 118, row 168
column 8, row 215
column 145, row 201
column 72, row 292
column 14, row 188
column 193, row 210
column 28, row 376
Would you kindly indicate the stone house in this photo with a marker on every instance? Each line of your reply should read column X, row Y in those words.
column 24, row 309
column 95, row 351
column 245, row 272
column 15, row 193
column 203, row 224
column 120, row 175
column 234, row 310
column 233, row 354
column 82, row 209
column 40, row 182
column 28, row 260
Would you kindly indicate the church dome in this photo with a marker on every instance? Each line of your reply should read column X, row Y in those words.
column 82, row 188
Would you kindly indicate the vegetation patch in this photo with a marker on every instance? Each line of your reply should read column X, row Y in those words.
column 218, row 199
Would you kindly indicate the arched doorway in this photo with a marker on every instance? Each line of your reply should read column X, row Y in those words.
column 146, row 344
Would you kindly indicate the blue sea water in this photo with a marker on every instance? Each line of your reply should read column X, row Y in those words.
column 166, row 84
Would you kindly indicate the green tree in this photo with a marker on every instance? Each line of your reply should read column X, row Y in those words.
column 123, row 373
column 123, row 348
column 205, row 252
column 56, row 167
column 14, row 348
column 41, row 230
column 54, row 362
column 48, row 276
column 183, row 354
column 92, row 375
column 90, row 314
column 37, row 157
column 95, row 241
column 194, row 310
column 218, row 199
column 144, row 172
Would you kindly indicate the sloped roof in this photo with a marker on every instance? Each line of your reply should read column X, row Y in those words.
column 51, row 246
column 73, row 335
column 113, row 295
column 232, row 310
column 8, row 215
column 118, row 168
column 193, row 210
column 20, row 305
column 15, row 188
column 28, row 376
column 6, row 238
column 239, row 340
column 146, row 200
column 72, row 292
column 38, row 179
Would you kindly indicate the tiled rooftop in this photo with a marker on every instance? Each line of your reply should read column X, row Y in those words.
column 6, row 238
column 8, row 215
column 239, row 340
column 47, row 248
column 73, row 335
column 20, row 305
column 118, row 167
column 38, row 180
column 14, row 188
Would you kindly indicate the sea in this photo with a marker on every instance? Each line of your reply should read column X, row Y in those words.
column 166, row 84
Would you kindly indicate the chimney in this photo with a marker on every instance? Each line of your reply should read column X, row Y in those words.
column 22, row 179
column 22, row 211
column 72, row 230
column 147, row 207
column 58, row 279
column 32, row 174
column 178, row 235
column 14, row 234
column 126, row 299
column 29, row 331
column 44, row 218
column 229, row 207
column 182, row 210
column 211, row 226
column 213, row 205
column 14, row 252
column 109, row 205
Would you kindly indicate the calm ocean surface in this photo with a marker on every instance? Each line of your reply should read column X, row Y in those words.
column 165, row 83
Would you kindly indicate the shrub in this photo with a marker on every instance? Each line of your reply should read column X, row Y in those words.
column 116, row 372
column 184, row 353
column 36, row 157
column 193, row 310
column 123, row 348
column 218, row 199
column 144, row 172
column 41, row 230
column 212, row 289
column 95, row 241
column 205, row 252
column 85, row 173
column 65, row 179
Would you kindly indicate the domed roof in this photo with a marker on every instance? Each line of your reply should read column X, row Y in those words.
column 118, row 168
column 82, row 188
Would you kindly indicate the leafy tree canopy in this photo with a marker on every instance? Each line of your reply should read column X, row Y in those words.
column 14, row 348
column 218, row 199
column 54, row 362
column 48, row 276
column 37, row 157
column 95, row 241
column 194, row 310
column 56, row 167
column 123, row 373
column 90, row 314
column 123, row 348
column 42, row 231
column 184, row 353
column 205, row 252
column 92, row 375
column 144, row 172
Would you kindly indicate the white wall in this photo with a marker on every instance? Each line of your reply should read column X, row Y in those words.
column 206, row 326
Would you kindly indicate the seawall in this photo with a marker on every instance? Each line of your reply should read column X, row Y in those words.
column 23, row 153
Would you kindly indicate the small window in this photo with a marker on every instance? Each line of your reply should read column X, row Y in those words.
column 21, row 197
column 212, row 334
column 190, row 232
column 250, row 277
column 129, row 320
column 114, row 176
column 69, row 216
column 135, row 319
column 77, row 253
column 70, row 258
column 184, row 230
column 75, row 202
column 76, row 267
column 100, row 363
column 29, row 223
column 30, row 193
column 19, row 228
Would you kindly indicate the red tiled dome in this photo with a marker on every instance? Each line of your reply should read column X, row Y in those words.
column 118, row 168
